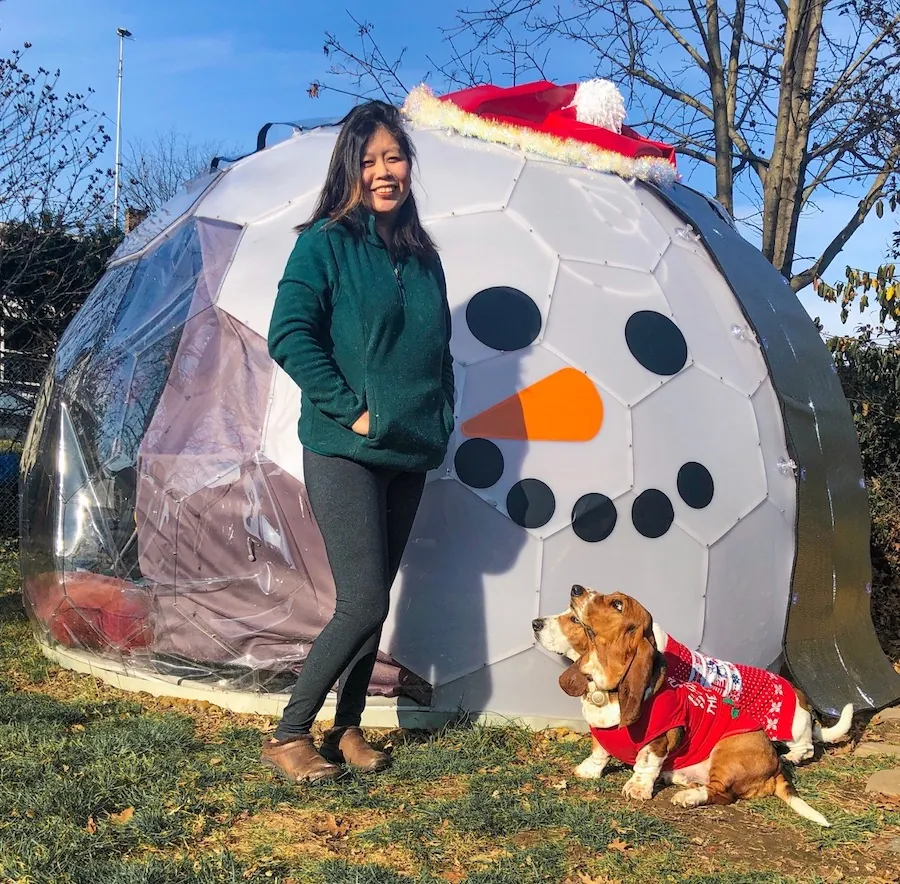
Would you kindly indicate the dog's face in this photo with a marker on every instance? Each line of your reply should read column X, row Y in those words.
column 621, row 650
column 562, row 634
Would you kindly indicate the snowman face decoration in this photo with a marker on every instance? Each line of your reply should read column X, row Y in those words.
column 612, row 429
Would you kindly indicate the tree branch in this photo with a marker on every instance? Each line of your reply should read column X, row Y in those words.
column 875, row 193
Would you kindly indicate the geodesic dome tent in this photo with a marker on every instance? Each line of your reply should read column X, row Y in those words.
column 642, row 405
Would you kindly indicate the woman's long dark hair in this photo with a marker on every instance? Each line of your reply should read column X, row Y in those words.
column 341, row 199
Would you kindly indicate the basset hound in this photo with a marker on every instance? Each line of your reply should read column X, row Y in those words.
column 780, row 708
column 681, row 733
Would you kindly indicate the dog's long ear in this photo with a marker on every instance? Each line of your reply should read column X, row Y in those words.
column 573, row 681
column 635, row 683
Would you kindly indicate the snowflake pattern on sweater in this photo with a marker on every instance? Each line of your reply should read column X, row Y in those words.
column 704, row 714
column 765, row 696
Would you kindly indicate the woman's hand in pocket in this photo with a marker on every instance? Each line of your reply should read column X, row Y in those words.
column 361, row 424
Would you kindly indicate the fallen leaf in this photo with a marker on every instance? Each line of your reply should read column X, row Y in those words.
column 560, row 786
column 619, row 844
column 91, row 826
column 77, row 727
column 454, row 876
column 214, row 761
column 337, row 828
column 584, row 878
column 122, row 817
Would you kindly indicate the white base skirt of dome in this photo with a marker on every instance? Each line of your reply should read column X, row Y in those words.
column 380, row 712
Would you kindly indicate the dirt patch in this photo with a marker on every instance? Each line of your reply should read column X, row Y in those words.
column 290, row 833
column 739, row 838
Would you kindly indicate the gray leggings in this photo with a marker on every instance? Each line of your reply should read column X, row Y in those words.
column 365, row 515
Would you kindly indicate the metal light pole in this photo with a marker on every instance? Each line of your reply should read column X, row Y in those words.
column 123, row 34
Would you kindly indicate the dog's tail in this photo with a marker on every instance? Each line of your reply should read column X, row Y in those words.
column 788, row 794
column 837, row 730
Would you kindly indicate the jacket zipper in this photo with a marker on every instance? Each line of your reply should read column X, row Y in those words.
column 400, row 287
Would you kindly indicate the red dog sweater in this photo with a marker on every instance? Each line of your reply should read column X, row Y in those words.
column 705, row 716
column 766, row 697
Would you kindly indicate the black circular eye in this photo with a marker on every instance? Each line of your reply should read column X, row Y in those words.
column 617, row 604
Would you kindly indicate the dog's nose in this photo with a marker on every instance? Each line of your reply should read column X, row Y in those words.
column 537, row 625
column 577, row 589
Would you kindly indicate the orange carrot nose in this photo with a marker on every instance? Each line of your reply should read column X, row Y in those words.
column 562, row 407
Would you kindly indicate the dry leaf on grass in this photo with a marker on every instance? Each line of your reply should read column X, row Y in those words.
column 336, row 827
column 454, row 876
column 122, row 817
column 560, row 786
column 584, row 878
column 618, row 844
column 91, row 826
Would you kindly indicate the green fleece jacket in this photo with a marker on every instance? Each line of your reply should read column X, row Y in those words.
column 356, row 332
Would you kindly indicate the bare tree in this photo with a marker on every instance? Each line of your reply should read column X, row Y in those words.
column 54, row 197
column 154, row 170
column 786, row 101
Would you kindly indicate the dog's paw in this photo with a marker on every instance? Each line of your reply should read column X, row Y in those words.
column 638, row 788
column 690, row 797
column 589, row 769
column 799, row 754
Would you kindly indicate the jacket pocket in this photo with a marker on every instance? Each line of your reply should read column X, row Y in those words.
column 372, row 408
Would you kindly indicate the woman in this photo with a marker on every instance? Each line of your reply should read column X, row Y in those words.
column 361, row 324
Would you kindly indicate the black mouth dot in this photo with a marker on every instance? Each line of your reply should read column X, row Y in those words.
column 652, row 513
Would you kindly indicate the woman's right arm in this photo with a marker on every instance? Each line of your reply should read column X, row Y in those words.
column 299, row 325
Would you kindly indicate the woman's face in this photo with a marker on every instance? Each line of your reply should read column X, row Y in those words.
column 385, row 174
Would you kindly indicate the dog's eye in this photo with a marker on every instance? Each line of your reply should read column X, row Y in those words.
column 574, row 619
column 617, row 604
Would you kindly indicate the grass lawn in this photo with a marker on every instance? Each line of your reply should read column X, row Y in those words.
column 102, row 787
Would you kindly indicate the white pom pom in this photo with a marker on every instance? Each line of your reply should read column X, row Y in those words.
column 599, row 103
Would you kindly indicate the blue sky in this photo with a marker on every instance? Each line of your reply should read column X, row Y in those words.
column 219, row 70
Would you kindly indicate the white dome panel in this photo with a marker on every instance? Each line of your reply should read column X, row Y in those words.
column 526, row 684
column 559, row 434
column 585, row 216
column 780, row 478
column 482, row 182
column 435, row 628
column 589, row 314
column 666, row 574
column 471, row 250
column 267, row 181
column 746, row 607
column 696, row 440
column 251, row 284
column 719, row 338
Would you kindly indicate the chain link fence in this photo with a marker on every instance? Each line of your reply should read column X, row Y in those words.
column 20, row 378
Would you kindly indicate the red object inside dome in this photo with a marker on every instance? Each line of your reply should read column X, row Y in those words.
column 542, row 106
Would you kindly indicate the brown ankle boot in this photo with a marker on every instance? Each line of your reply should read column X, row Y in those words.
column 347, row 744
column 297, row 760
